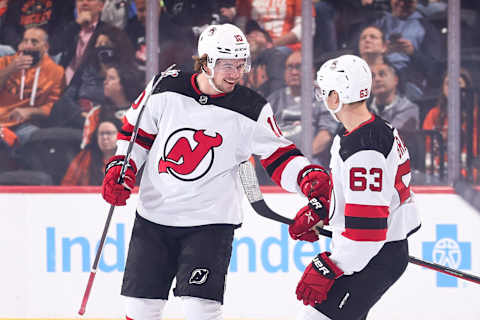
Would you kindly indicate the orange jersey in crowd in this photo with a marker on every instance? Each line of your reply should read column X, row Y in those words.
column 430, row 124
column 50, row 85
column 277, row 17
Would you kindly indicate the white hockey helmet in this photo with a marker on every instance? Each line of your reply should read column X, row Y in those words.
column 224, row 41
column 349, row 76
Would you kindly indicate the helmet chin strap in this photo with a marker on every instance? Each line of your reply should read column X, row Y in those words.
column 210, row 80
column 334, row 111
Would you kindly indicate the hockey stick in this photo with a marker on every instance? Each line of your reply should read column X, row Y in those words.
column 254, row 195
column 93, row 271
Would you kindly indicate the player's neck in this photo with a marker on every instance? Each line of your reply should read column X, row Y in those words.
column 204, row 85
column 354, row 115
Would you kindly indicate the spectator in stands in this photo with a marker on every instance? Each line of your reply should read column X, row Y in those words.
column 176, row 36
column 338, row 22
column 30, row 83
column 388, row 102
column 88, row 167
column 437, row 119
column 227, row 10
column 22, row 14
column 264, row 53
column 79, row 36
column 414, row 45
column 257, row 78
column 135, row 29
column 286, row 106
column 372, row 45
column 112, row 46
column 116, row 12
column 281, row 19
column 122, row 85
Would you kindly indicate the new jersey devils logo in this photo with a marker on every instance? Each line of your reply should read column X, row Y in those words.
column 188, row 154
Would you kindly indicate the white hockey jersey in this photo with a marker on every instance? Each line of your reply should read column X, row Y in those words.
column 371, row 202
column 192, row 144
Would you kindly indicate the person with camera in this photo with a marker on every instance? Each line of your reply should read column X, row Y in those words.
column 30, row 83
column 414, row 46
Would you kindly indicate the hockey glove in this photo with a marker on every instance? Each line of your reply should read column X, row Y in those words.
column 317, row 280
column 113, row 192
column 314, row 181
column 307, row 218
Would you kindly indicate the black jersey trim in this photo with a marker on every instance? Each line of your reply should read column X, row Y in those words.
column 365, row 223
column 376, row 135
column 414, row 230
column 284, row 157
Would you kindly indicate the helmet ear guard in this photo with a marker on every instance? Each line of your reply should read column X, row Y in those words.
column 349, row 76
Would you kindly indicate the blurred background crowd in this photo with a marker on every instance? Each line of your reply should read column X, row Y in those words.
column 69, row 69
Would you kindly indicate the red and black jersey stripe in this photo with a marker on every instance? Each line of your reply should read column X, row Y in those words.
column 143, row 139
column 366, row 222
column 276, row 163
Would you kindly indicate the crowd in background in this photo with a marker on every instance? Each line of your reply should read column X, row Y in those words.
column 69, row 70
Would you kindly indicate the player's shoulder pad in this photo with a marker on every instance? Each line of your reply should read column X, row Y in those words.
column 376, row 135
column 244, row 101
column 171, row 80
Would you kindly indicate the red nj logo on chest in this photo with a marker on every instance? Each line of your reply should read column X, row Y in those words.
column 183, row 161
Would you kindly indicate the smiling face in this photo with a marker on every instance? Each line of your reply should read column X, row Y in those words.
column 228, row 73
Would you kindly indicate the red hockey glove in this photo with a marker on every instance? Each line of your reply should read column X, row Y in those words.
column 314, row 181
column 317, row 280
column 307, row 218
column 113, row 192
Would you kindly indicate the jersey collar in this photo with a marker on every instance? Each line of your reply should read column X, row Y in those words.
column 360, row 125
column 193, row 81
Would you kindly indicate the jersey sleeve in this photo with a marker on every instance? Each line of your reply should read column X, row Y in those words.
column 148, row 129
column 367, row 189
column 280, row 157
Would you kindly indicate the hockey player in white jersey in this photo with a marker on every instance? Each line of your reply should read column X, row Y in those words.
column 372, row 211
column 195, row 131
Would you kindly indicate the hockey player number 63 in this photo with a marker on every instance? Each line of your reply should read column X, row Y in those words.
column 358, row 179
